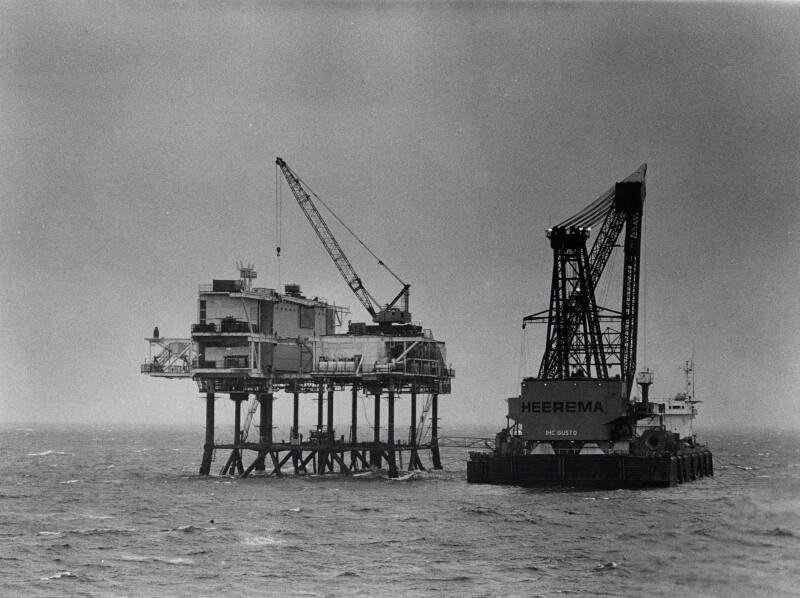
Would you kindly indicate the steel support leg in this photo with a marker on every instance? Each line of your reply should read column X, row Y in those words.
column 330, row 416
column 296, row 415
column 208, row 447
column 319, row 407
column 295, row 435
column 264, row 428
column 412, row 432
column 354, row 427
column 437, row 460
column 236, row 462
column 375, row 455
column 390, row 434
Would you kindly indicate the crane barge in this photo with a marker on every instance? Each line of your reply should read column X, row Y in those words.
column 575, row 423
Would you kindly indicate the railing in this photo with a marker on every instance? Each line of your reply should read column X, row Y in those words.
column 209, row 288
column 227, row 326
column 337, row 366
column 237, row 326
column 210, row 327
column 152, row 367
column 420, row 367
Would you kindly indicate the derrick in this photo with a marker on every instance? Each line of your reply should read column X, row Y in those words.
column 576, row 345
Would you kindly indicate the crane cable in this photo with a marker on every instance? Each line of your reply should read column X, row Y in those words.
column 591, row 214
column 523, row 357
column 644, row 288
column 349, row 230
column 278, row 221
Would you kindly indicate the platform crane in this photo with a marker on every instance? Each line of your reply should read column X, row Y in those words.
column 576, row 347
column 386, row 316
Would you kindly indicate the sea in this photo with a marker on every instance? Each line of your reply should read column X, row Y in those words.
column 121, row 511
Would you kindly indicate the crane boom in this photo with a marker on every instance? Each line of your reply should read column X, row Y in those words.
column 574, row 338
column 389, row 313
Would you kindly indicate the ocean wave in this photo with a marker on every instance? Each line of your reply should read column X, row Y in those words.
column 414, row 519
column 134, row 558
column 92, row 516
column 99, row 531
column 450, row 578
column 60, row 575
column 48, row 453
column 189, row 529
column 262, row 541
column 780, row 532
column 606, row 566
column 479, row 510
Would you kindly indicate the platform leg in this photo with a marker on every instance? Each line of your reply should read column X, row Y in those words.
column 390, row 435
column 437, row 460
column 208, row 447
column 295, row 415
column 354, row 427
column 236, row 457
column 412, row 431
column 320, row 396
column 375, row 455
column 330, row 417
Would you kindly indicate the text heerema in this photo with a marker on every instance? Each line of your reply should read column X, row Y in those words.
column 561, row 407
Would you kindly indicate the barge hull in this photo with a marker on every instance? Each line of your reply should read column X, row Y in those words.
column 590, row 471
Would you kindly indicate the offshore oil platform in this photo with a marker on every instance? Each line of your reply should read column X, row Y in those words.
column 576, row 423
column 249, row 343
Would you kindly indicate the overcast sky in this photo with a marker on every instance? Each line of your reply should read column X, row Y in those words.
column 138, row 145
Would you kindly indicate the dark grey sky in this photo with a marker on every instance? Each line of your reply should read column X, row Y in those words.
column 138, row 143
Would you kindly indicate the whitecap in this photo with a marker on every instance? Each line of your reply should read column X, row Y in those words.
column 135, row 558
column 46, row 453
column 175, row 561
column 60, row 575
column 69, row 482
column 261, row 541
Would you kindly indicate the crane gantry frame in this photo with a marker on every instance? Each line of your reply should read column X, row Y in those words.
column 575, row 345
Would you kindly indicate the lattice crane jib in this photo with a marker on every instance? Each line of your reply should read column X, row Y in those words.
column 387, row 314
column 576, row 347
